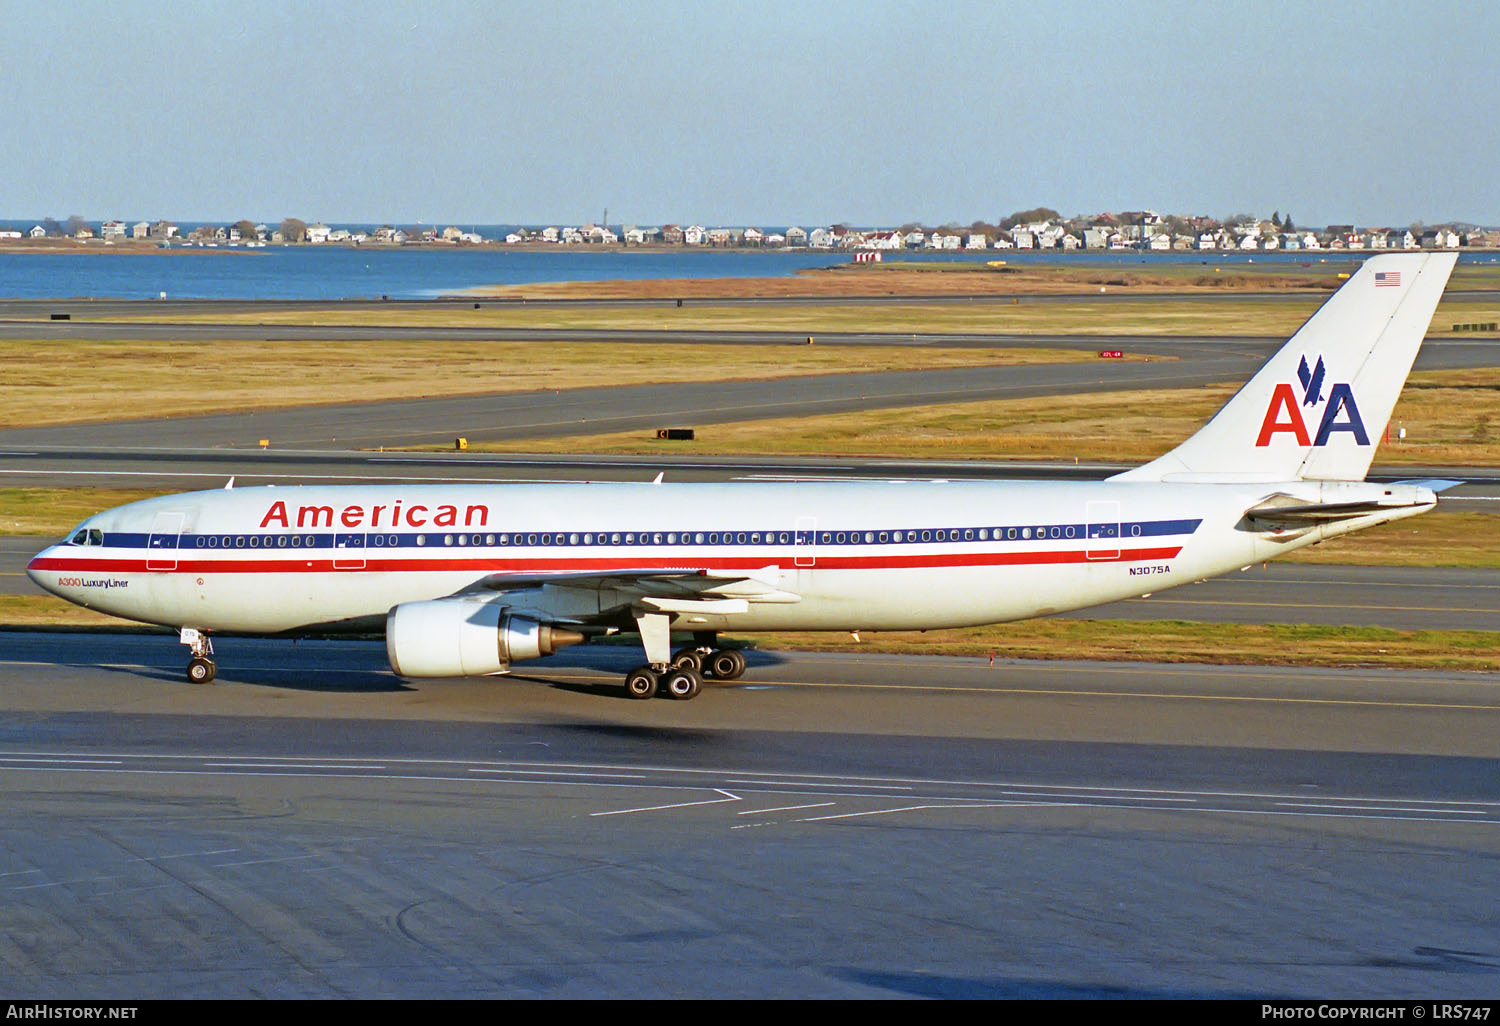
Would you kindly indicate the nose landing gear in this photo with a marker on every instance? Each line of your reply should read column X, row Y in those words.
column 200, row 668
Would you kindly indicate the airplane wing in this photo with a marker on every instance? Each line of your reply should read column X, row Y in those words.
column 684, row 590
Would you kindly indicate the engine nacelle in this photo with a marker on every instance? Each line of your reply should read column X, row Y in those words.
column 465, row 638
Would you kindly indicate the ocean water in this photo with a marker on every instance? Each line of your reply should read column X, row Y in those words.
column 414, row 272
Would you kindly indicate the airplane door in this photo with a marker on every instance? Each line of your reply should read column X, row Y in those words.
column 1103, row 528
column 161, row 546
column 349, row 551
column 805, row 552
column 805, row 542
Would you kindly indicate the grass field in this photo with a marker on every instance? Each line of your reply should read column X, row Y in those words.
column 1134, row 316
column 1451, row 418
column 169, row 378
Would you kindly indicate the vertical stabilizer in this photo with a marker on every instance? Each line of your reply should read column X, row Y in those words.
column 1318, row 408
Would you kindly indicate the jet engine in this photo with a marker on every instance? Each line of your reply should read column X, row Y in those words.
column 465, row 638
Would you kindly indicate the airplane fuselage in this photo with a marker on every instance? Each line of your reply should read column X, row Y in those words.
column 820, row 556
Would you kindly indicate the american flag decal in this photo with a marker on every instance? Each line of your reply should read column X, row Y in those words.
column 1384, row 279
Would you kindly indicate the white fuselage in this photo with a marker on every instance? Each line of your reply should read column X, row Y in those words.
column 831, row 556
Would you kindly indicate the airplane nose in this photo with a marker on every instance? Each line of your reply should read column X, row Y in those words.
column 35, row 571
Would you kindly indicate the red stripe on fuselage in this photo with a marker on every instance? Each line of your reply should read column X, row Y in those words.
column 493, row 565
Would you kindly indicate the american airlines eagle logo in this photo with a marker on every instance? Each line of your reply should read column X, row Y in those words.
column 1286, row 414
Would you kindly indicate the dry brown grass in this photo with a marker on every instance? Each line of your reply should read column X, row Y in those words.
column 178, row 378
column 1452, row 418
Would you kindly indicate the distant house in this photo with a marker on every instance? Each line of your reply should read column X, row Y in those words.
column 9, row 233
column 820, row 238
column 37, row 232
column 693, row 235
column 112, row 230
column 796, row 236
column 1022, row 238
column 671, row 234
column 164, row 230
column 753, row 237
column 318, row 233
column 140, row 230
column 452, row 233
column 550, row 234
column 915, row 239
column 717, row 237
column 976, row 240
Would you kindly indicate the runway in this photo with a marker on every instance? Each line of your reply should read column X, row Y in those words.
column 833, row 827
column 509, row 416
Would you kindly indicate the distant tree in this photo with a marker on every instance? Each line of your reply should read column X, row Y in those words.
column 51, row 227
column 1287, row 225
column 294, row 230
column 74, row 225
column 246, row 227
column 1027, row 216
column 1276, row 218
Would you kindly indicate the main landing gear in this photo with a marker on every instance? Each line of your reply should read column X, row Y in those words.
column 682, row 676
column 200, row 668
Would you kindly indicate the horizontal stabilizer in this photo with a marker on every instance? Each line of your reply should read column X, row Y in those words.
column 1283, row 512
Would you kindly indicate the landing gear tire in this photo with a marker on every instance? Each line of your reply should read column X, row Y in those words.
column 688, row 659
column 682, row 684
column 200, row 670
column 641, row 683
column 726, row 664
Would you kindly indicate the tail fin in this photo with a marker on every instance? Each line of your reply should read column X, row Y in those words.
column 1317, row 409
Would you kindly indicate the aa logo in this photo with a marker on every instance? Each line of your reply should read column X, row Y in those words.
column 1285, row 414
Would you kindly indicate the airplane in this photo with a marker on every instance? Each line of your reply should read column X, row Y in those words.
column 466, row 580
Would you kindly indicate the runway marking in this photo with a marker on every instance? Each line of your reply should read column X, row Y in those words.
column 814, row 783
column 747, row 812
column 1051, row 793
column 558, row 773
column 61, row 761
column 292, row 765
column 681, row 805
column 262, row 862
column 1381, row 808
column 917, row 808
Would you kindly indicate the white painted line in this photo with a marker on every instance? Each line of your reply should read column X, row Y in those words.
column 561, row 773
column 188, row 855
column 916, row 808
column 1100, row 797
column 291, row 765
column 817, row 783
column 262, row 862
column 753, row 812
column 680, row 805
column 62, row 762
column 1382, row 808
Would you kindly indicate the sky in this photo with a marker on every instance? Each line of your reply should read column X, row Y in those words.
column 763, row 112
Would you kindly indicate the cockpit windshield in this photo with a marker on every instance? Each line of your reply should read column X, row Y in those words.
column 87, row 536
